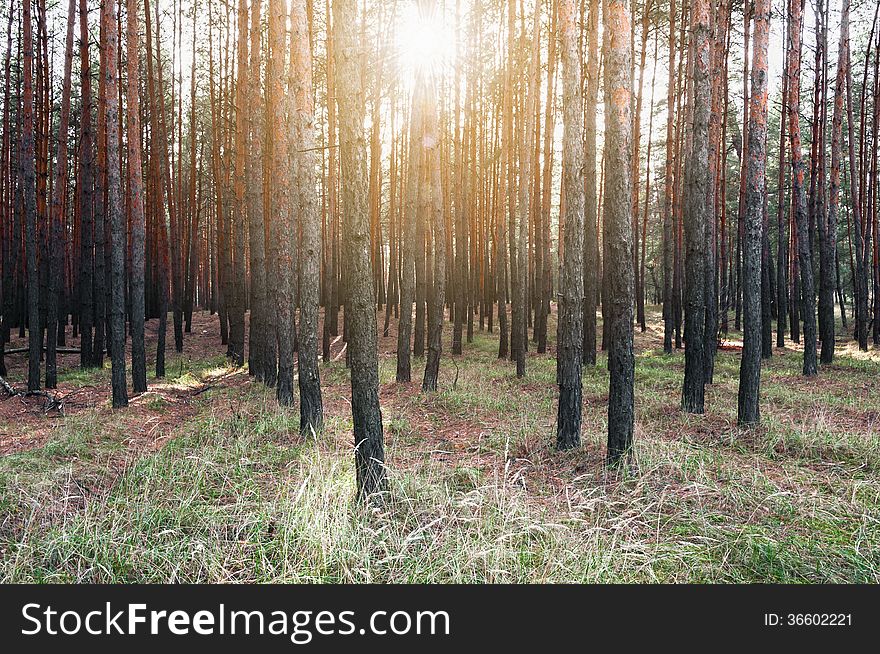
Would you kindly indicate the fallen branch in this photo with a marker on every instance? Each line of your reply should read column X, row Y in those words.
column 6, row 387
column 53, row 402
column 59, row 350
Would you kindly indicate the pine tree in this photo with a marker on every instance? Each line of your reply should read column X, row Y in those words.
column 618, row 231
column 360, row 314
column 756, row 189
column 311, row 408
column 136, row 200
column 570, row 326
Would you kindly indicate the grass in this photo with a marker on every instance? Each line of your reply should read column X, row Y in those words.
column 477, row 493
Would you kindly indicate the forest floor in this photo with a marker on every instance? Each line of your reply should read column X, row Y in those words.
column 203, row 478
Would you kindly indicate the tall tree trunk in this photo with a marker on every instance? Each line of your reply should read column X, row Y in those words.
column 437, row 296
column 236, row 301
column 591, row 204
column 637, row 137
column 407, row 279
column 748, row 412
column 828, row 255
column 311, row 412
column 808, row 297
column 860, row 272
column 782, row 237
column 136, row 201
column 696, row 216
column 544, row 272
column 359, row 310
column 520, row 310
column 28, row 174
column 569, row 359
column 506, row 238
column 110, row 72
column 668, row 195
column 86, row 197
column 618, row 231
column 59, row 188
column 263, row 346
column 281, row 223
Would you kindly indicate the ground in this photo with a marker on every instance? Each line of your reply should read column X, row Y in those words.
column 204, row 478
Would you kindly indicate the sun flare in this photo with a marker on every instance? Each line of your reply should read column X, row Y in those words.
column 425, row 41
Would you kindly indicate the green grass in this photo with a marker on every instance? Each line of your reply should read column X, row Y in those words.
column 477, row 493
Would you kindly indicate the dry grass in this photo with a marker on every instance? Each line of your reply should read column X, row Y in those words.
column 477, row 493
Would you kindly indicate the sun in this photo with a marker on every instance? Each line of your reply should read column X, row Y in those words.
column 425, row 41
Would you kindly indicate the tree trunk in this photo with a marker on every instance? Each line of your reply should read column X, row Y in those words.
column 569, row 358
column 696, row 218
column 359, row 310
column 86, row 206
column 618, row 232
column 437, row 296
column 261, row 353
column 28, row 174
column 281, row 223
column 782, row 237
column 591, row 205
column 59, row 188
column 520, row 334
column 805, row 263
column 136, row 201
column 748, row 412
column 407, row 279
column 860, row 272
column 311, row 412
column 110, row 72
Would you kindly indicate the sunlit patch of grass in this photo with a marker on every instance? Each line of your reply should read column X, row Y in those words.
column 84, row 376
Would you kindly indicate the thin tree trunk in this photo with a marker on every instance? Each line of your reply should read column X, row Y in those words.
column 110, row 73
column 808, row 298
column 591, row 204
column 281, row 223
column 520, row 333
column 407, row 279
column 136, row 200
column 437, row 297
column 311, row 412
column 28, row 174
column 59, row 188
column 86, row 181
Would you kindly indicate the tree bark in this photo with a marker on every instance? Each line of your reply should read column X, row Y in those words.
column 808, row 297
column 136, row 202
column 86, row 206
column 359, row 310
column 281, row 223
column 569, row 358
column 59, row 188
column 311, row 412
column 407, row 271
column 28, row 173
column 618, row 231
column 437, row 296
column 748, row 410
column 591, row 204
column 696, row 218
column 110, row 73
column 261, row 341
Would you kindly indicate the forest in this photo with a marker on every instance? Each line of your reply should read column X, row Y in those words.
column 440, row 291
